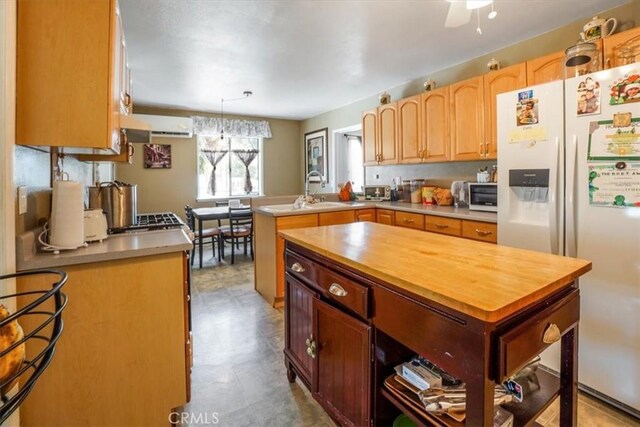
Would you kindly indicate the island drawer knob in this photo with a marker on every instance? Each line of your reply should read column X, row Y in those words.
column 337, row 290
column 297, row 267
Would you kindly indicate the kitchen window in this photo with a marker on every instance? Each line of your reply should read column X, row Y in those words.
column 229, row 167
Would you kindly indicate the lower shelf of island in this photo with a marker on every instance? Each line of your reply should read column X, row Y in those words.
column 525, row 413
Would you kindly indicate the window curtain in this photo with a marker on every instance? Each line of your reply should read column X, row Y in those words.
column 213, row 126
column 246, row 157
column 214, row 157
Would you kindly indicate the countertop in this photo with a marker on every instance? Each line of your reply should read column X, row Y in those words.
column 483, row 280
column 445, row 211
column 116, row 246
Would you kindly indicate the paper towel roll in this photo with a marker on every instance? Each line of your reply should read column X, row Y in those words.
column 67, row 215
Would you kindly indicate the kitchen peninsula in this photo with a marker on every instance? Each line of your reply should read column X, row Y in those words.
column 124, row 356
column 363, row 297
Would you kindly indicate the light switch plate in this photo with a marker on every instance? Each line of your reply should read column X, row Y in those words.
column 22, row 200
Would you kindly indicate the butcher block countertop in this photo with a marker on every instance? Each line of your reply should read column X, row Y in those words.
column 485, row 281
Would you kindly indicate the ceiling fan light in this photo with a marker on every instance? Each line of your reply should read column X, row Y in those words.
column 493, row 14
column 477, row 4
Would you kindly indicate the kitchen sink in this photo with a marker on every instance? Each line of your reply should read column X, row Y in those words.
column 311, row 206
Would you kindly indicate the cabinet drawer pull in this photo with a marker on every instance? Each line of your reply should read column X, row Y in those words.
column 297, row 267
column 442, row 226
column 551, row 334
column 337, row 290
column 408, row 220
column 483, row 233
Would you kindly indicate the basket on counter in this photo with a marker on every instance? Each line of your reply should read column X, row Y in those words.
column 46, row 306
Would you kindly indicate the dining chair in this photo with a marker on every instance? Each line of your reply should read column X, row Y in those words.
column 198, row 239
column 240, row 229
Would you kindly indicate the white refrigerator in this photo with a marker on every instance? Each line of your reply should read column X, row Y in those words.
column 569, row 184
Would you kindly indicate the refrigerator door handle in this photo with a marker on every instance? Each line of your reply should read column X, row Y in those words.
column 553, row 199
column 572, row 166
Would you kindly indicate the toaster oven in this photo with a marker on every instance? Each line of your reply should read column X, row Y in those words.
column 483, row 196
column 377, row 192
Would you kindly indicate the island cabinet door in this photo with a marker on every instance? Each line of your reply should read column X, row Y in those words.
column 298, row 333
column 341, row 382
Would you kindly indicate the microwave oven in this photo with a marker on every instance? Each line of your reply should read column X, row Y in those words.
column 483, row 196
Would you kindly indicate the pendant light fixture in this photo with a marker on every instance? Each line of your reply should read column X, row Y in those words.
column 245, row 95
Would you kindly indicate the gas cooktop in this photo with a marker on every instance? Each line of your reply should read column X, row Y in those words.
column 152, row 221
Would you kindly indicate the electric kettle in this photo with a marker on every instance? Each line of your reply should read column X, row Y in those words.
column 95, row 225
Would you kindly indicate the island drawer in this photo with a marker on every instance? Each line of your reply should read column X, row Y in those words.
column 344, row 291
column 483, row 231
column 410, row 220
column 439, row 224
column 301, row 268
column 531, row 336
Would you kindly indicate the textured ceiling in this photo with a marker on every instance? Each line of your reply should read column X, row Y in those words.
column 303, row 58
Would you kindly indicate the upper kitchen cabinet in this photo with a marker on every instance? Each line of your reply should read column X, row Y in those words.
column 410, row 130
column 467, row 119
column 69, row 74
column 388, row 134
column 622, row 48
column 380, row 135
column 495, row 83
column 435, row 125
column 369, row 137
column 545, row 68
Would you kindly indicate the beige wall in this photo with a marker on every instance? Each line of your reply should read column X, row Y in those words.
column 162, row 190
column 627, row 15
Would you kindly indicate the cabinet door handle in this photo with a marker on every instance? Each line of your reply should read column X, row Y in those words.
column 337, row 290
column 482, row 149
column 442, row 226
column 486, row 149
column 311, row 347
column 297, row 267
column 483, row 232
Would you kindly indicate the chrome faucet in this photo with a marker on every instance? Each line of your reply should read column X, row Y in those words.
column 306, row 184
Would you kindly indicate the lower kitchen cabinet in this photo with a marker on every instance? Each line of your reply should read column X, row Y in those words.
column 366, row 215
column 343, row 364
column 338, row 217
column 123, row 357
column 443, row 225
column 385, row 216
column 410, row 220
column 326, row 345
column 477, row 230
column 298, row 336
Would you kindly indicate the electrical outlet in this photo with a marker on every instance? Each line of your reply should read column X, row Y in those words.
column 22, row 200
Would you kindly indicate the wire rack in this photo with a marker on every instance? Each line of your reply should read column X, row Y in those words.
column 46, row 307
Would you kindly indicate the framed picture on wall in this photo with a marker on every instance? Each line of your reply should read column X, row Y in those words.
column 316, row 153
column 157, row 156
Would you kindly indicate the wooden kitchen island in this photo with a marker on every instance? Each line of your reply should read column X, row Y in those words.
column 362, row 298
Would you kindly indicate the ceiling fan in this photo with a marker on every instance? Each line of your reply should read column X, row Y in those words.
column 460, row 11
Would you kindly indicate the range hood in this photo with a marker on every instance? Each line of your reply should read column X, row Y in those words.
column 137, row 130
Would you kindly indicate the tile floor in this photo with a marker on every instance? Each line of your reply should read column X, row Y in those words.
column 239, row 378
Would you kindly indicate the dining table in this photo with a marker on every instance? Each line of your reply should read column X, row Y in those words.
column 210, row 214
